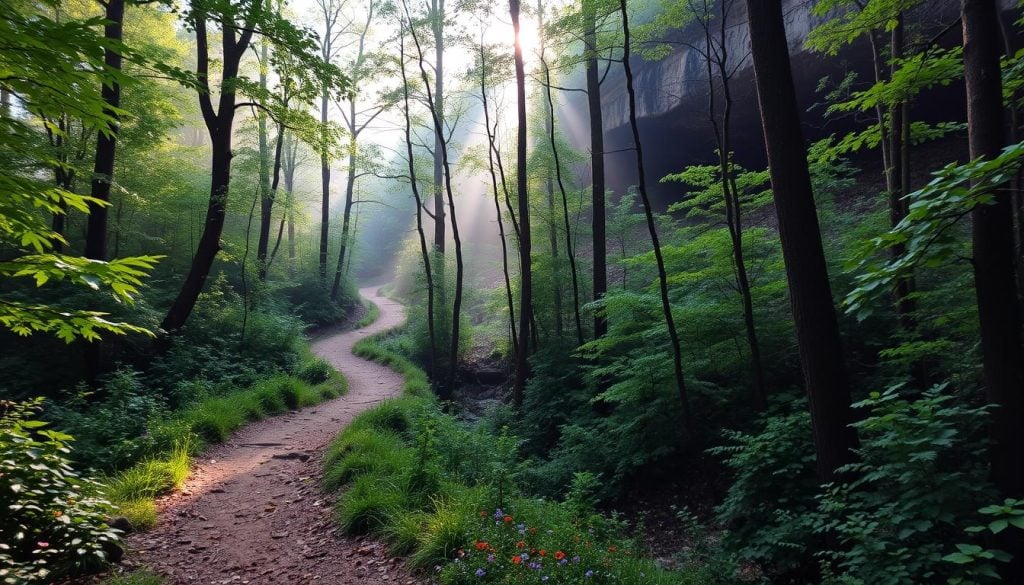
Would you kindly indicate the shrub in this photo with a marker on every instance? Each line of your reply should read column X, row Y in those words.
column 109, row 432
column 916, row 481
column 315, row 371
column 769, row 506
column 54, row 523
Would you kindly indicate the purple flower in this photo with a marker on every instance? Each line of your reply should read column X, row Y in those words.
column 522, row 528
column 576, row 559
column 490, row 558
column 524, row 556
column 498, row 514
column 588, row 574
column 480, row 572
column 563, row 561
column 534, row 566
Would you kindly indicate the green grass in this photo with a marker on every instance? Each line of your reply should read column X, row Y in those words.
column 371, row 316
column 416, row 382
column 213, row 420
column 403, row 470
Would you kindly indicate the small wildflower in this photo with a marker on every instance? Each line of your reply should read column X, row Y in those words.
column 524, row 556
column 507, row 519
column 498, row 514
column 576, row 559
column 559, row 556
column 534, row 566
column 520, row 544
column 588, row 574
column 543, row 552
column 563, row 562
column 480, row 572
column 480, row 545
column 516, row 560
column 490, row 558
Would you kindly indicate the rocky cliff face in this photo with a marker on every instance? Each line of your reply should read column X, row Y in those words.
column 673, row 95
column 681, row 77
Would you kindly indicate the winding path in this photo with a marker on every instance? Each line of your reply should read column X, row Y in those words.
column 253, row 511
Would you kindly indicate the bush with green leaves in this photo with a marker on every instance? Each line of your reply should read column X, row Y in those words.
column 54, row 520
column 770, row 502
column 917, row 480
column 111, row 432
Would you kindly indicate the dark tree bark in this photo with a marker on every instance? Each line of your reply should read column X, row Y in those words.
column 666, row 305
column 106, row 143
column 497, row 198
column 437, row 16
column 346, row 219
column 998, row 309
column 331, row 13
column 525, row 270
column 899, row 186
column 570, row 254
column 424, row 250
column 817, row 330
column 453, row 358
column 263, row 260
column 220, row 125
column 599, row 229
column 717, row 57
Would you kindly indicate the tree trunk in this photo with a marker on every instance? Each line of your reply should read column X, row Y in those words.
column 220, row 125
column 817, row 330
column 899, row 156
column 424, row 250
column 209, row 241
column 570, row 254
column 350, row 183
column 435, row 112
column 267, row 209
column 599, row 231
column 666, row 305
column 106, row 144
column 525, row 270
column 730, row 192
column 437, row 28
column 325, row 192
column 998, row 310
column 497, row 200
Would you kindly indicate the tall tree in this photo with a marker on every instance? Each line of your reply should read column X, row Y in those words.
column 486, row 71
column 817, row 329
column 442, row 140
column 424, row 249
column 666, row 304
column 329, row 47
column 358, row 70
column 992, row 230
column 106, row 142
column 596, row 117
column 525, row 269
column 238, row 22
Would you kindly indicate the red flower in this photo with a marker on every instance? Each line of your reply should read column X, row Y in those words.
column 612, row 548
column 520, row 544
column 507, row 519
column 559, row 555
column 516, row 560
column 543, row 552
column 480, row 545
column 533, row 531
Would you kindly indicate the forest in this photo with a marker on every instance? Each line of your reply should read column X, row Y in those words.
column 474, row 291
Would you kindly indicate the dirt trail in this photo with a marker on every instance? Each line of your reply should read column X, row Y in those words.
column 253, row 511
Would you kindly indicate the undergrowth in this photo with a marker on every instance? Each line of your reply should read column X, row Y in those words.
column 176, row 437
column 449, row 496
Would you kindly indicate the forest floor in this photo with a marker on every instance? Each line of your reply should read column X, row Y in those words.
column 253, row 511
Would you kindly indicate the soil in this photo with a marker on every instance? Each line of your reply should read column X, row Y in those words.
column 253, row 511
